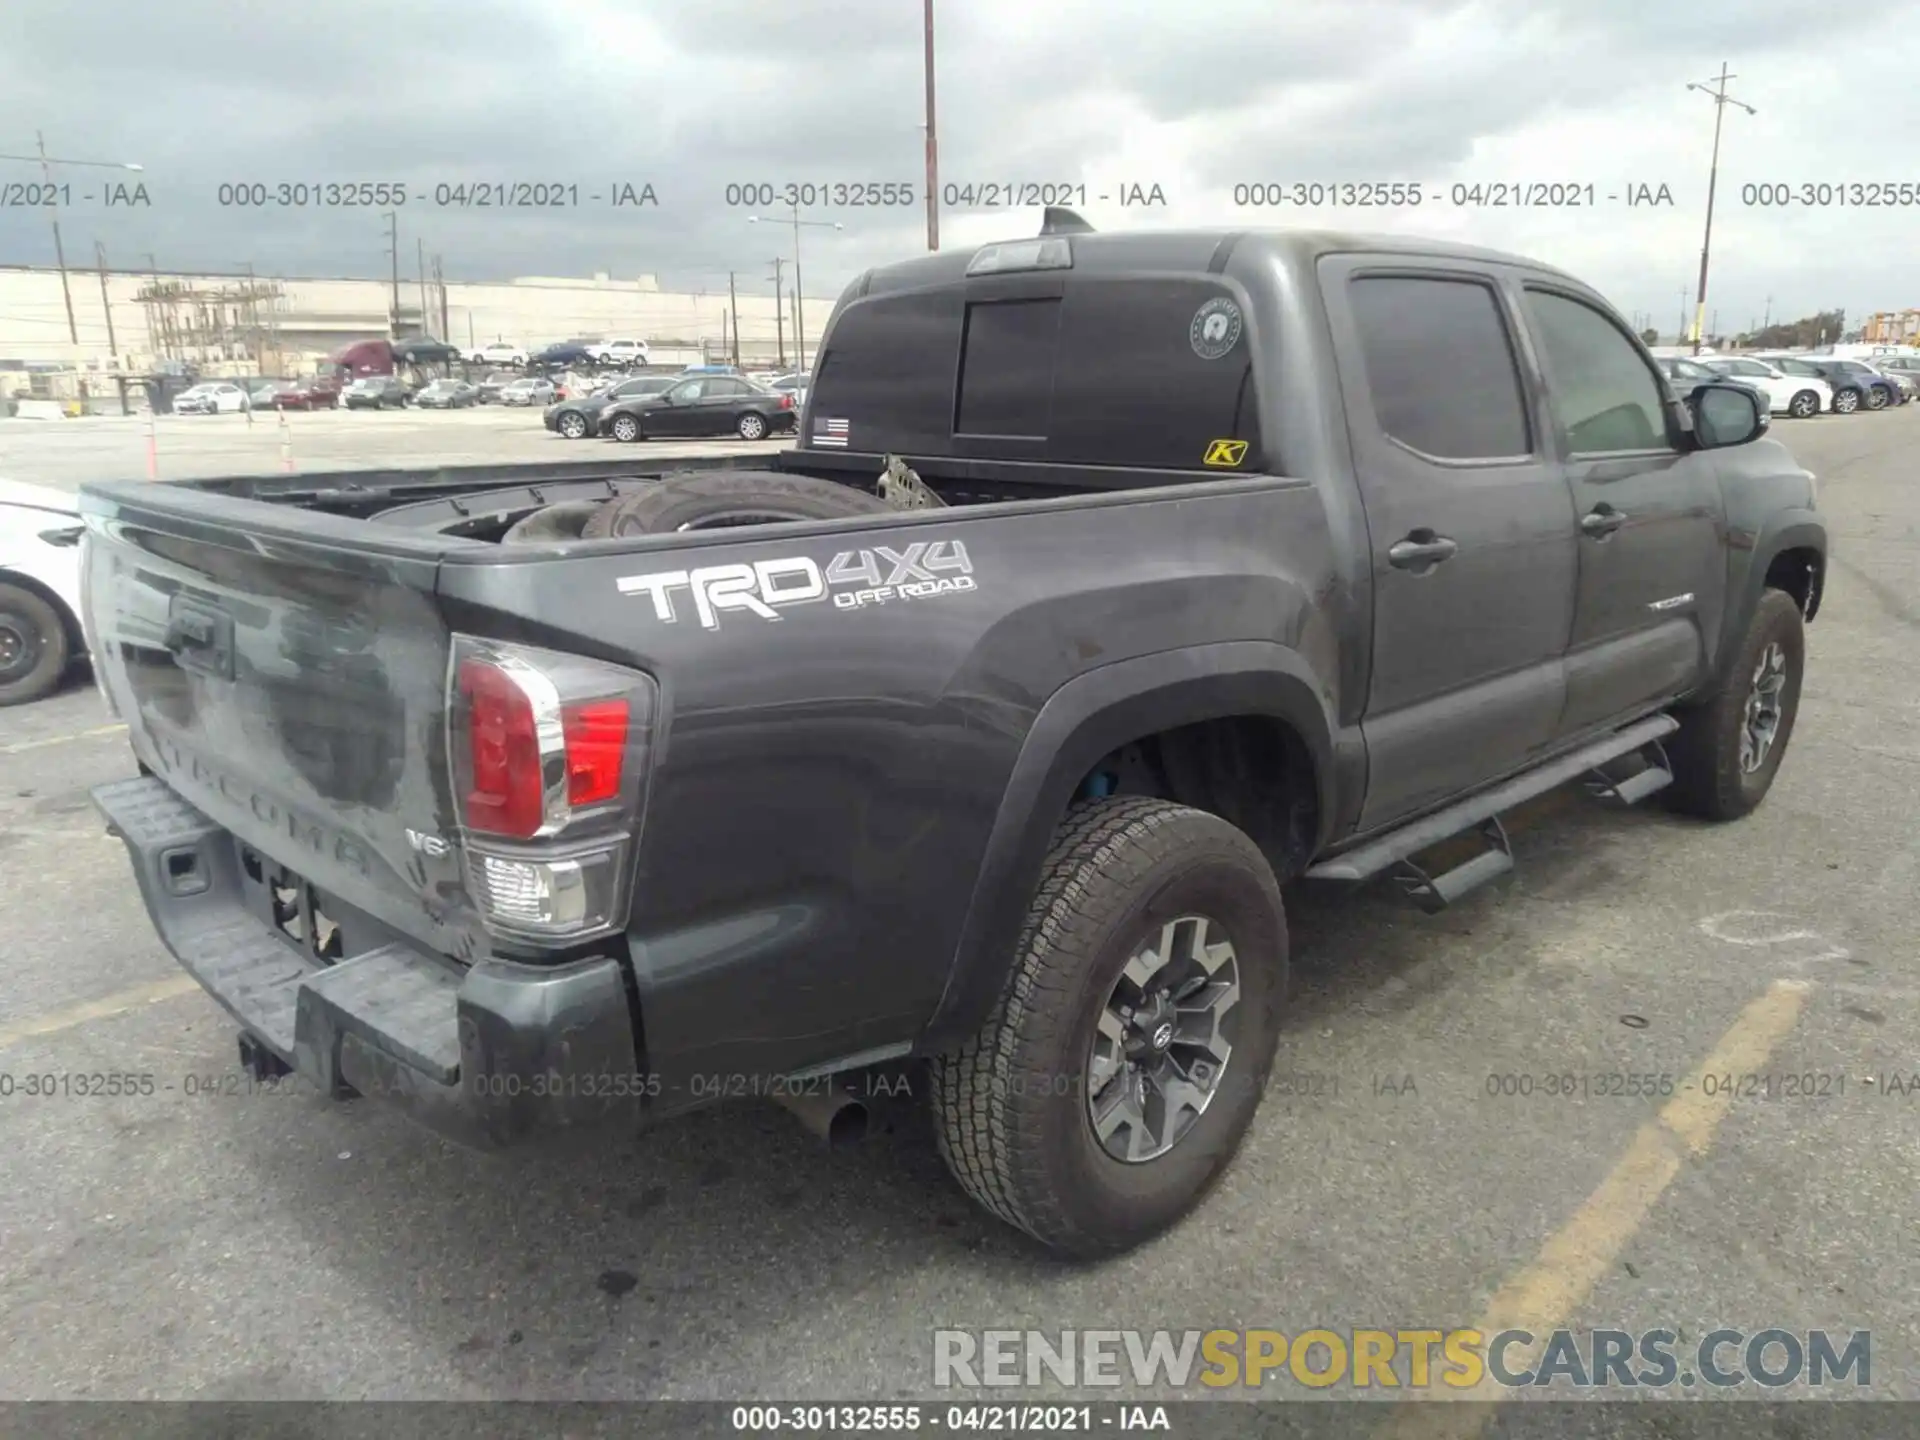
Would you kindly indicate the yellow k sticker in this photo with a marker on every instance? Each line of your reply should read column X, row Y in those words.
column 1226, row 452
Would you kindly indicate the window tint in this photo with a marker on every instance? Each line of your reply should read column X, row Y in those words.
column 1747, row 367
column 1440, row 366
column 688, row 390
column 1006, row 368
column 1605, row 394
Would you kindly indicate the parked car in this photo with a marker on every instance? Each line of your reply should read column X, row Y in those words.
column 40, row 633
column 562, row 355
column 794, row 385
column 1907, row 365
column 1797, row 395
column 577, row 418
column 500, row 352
column 1901, row 386
column 212, row 397
column 1685, row 373
column 702, row 405
column 1040, row 768
column 375, row 392
column 447, row 394
column 322, row 392
column 619, row 352
column 1853, row 384
column 262, row 392
column 492, row 383
column 529, row 390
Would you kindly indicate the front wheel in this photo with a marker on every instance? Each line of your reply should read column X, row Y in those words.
column 572, row 425
column 1845, row 402
column 751, row 426
column 1803, row 405
column 1877, row 398
column 33, row 646
column 1728, row 750
column 1121, row 1066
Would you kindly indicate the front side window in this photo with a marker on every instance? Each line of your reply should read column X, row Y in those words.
column 1606, row 396
column 1440, row 366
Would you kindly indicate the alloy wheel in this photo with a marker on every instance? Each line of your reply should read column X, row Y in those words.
column 1158, row 1049
column 1760, row 723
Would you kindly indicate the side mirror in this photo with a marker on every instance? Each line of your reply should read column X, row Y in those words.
column 1725, row 415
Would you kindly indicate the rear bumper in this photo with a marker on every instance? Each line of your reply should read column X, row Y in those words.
column 492, row 1056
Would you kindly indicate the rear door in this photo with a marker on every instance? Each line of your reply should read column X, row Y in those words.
column 1470, row 523
column 1652, row 567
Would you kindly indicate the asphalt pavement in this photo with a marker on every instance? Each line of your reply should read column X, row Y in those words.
column 203, row 1242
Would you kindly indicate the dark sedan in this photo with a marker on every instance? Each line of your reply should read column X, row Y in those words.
column 375, row 392
column 447, row 395
column 702, row 405
column 320, row 393
column 578, row 417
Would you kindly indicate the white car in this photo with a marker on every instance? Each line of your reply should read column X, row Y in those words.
column 500, row 352
column 39, row 589
column 1797, row 395
column 794, row 385
column 619, row 352
column 211, row 397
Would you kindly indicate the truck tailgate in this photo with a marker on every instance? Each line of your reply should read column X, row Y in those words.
column 285, row 673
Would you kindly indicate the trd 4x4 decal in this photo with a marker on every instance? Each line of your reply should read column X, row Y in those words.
column 852, row 580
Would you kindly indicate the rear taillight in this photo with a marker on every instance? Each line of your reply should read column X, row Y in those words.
column 549, row 758
column 786, row 401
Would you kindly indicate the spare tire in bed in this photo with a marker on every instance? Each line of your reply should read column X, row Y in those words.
column 556, row 522
column 699, row 500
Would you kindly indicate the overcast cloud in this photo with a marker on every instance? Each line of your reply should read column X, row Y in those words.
column 1194, row 98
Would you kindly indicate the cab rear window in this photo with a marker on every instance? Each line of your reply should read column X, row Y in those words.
column 1117, row 370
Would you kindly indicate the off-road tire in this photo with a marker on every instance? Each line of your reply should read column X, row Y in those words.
column 701, row 499
column 564, row 521
column 1010, row 1106
column 1705, row 751
column 43, row 629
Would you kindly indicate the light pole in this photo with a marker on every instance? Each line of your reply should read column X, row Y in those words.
column 47, row 162
column 933, row 144
column 799, row 303
column 1718, row 94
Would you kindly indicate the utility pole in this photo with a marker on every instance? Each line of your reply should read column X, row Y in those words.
column 106, row 304
column 933, row 146
column 1714, row 328
column 733, row 309
column 779, row 313
column 1768, row 320
column 59, row 250
column 1680, row 335
column 1721, row 100
column 420, row 246
column 392, row 218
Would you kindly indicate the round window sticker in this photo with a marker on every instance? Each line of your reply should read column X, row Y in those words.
column 1215, row 329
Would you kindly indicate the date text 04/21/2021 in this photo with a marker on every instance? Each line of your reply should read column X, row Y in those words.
column 1462, row 194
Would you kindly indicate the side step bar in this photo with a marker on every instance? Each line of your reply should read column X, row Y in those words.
column 1482, row 812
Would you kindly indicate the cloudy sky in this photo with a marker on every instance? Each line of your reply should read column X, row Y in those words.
column 692, row 96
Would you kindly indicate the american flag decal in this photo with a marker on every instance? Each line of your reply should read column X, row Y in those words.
column 831, row 434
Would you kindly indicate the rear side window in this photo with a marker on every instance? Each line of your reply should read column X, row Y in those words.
column 1006, row 368
column 1440, row 366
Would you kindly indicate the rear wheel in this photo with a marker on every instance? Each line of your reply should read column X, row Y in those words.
column 1121, row 1066
column 702, row 501
column 1877, row 397
column 751, row 426
column 1728, row 750
column 33, row 646
column 1804, row 404
column 1845, row 402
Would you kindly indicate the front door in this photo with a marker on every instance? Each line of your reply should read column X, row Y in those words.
column 1470, row 524
column 1652, row 572
column 679, row 410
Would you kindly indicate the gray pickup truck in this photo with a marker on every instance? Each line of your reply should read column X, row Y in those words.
column 1115, row 582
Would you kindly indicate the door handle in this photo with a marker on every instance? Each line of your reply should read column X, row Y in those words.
column 1421, row 551
column 1602, row 521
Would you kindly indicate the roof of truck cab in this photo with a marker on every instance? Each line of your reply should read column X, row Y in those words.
column 1195, row 250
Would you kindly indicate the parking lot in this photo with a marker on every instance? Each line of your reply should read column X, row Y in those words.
column 187, row 447
column 201, row 1241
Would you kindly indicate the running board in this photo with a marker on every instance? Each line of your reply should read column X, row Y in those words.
column 1435, row 892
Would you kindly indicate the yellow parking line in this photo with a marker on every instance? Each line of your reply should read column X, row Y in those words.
column 118, row 1003
column 18, row 746
column 1544, row 1296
